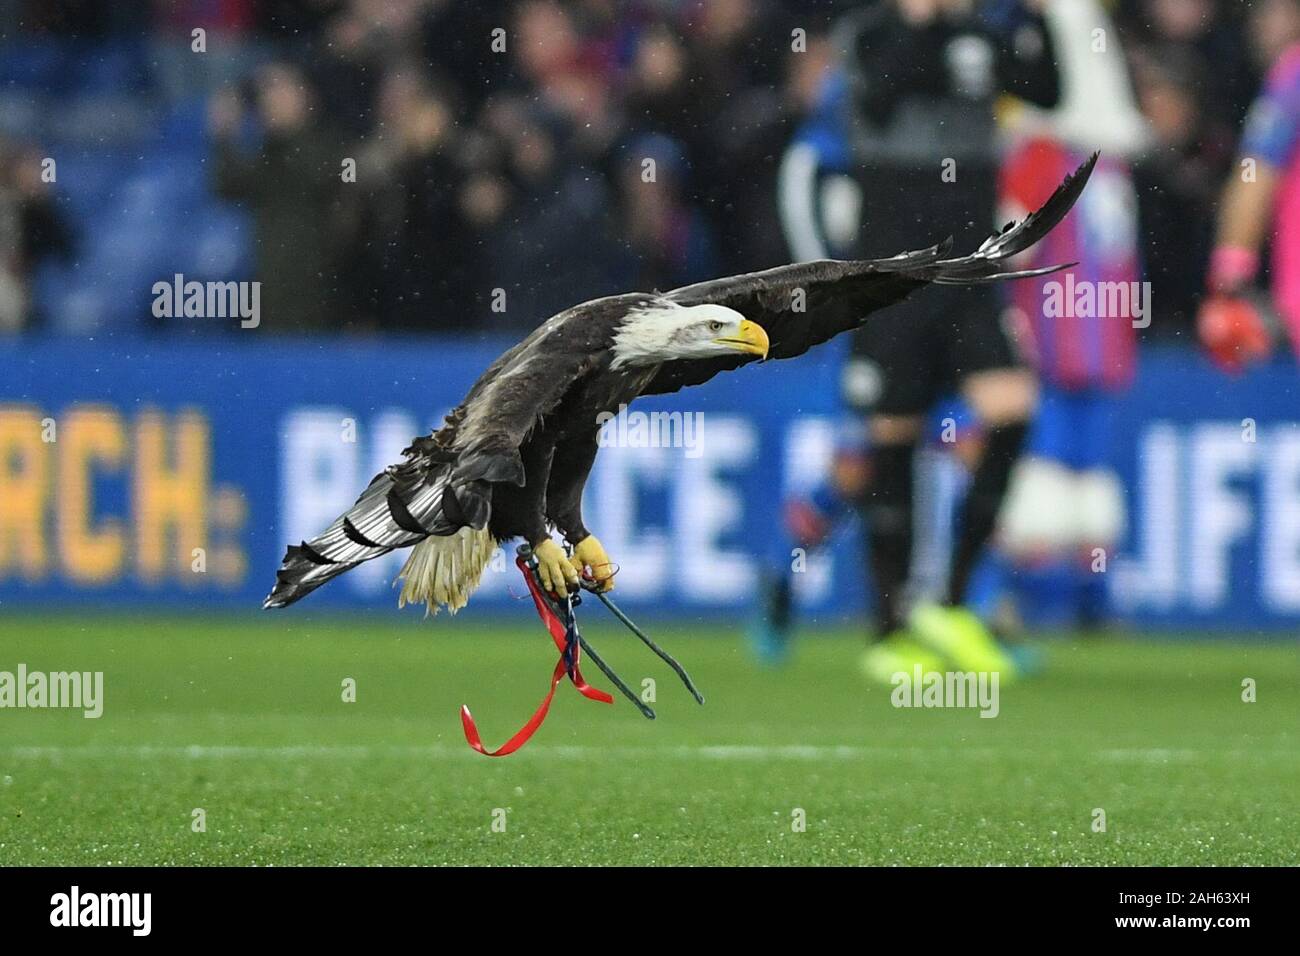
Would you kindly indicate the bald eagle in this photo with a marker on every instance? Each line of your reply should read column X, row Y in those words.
column 512, row 459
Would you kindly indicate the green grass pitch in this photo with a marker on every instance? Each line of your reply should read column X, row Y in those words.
column 243, row 717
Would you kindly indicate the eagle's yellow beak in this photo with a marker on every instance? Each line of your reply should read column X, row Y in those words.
column 750, row 339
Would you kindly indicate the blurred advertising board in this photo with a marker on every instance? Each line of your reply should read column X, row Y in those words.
column 173, row 473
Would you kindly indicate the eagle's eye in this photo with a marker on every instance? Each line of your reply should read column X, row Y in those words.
column 715, row 326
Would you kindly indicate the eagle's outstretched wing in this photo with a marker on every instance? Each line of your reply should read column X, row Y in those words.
column 803, row 305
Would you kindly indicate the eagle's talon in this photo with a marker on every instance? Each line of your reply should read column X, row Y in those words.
column 553, row 567
column 589, row 555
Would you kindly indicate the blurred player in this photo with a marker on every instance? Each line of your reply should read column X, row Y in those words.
column 1066, row 501
column 922, row 76
column 1261, row 202
column 926, row 75
column 816, row 515
column 820, row 206
column 820, row 201
column 917, row 118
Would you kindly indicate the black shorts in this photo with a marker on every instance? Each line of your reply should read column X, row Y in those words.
column 907, row 357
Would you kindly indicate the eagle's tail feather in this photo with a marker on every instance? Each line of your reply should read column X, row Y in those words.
column 445, row 569
column 393, row 512
column 302, row 572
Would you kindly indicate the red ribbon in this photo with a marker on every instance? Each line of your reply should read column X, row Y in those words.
column 560, row 635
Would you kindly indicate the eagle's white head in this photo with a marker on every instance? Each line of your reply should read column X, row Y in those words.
column 664, row 331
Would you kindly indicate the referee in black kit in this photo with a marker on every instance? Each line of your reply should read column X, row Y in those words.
column 924, row 76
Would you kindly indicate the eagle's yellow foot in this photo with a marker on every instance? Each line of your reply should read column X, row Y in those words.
column 553, row 567
column 589, row 557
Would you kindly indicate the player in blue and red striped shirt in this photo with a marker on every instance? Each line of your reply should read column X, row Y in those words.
column 1078, row 328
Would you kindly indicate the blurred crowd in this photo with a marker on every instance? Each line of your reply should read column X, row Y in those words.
column 562, row 150
column 583, row 149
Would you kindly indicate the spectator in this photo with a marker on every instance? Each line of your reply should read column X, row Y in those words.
column 366, row 40
column 556, row 235
column 413, row 265
column 1177, row 183
column 1209, row 29
column 668, row 240
column 292, row 185
column 31, row 229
